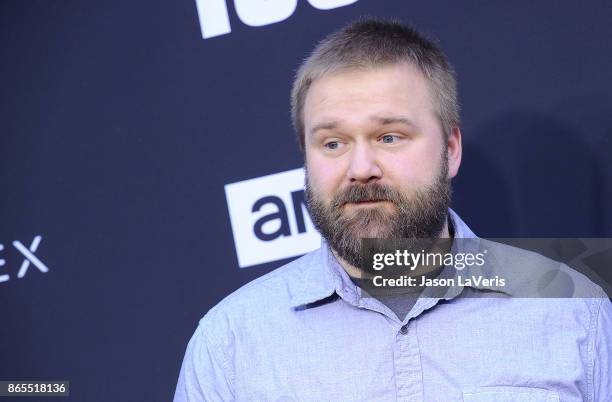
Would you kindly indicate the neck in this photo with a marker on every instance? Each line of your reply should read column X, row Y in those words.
column 358, row 273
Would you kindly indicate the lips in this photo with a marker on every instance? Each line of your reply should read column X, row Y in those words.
column 365, row 201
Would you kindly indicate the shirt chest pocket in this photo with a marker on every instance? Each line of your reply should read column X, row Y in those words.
column 510, row 394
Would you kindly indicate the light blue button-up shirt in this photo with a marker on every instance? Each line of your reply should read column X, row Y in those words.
column 304, row 333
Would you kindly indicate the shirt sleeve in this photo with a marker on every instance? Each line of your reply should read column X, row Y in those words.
column 602, row 365
column 203, row 375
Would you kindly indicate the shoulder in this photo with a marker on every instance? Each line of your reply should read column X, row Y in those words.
column 531, row 274
column 267, row 296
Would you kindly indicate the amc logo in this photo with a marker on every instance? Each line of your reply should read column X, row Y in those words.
column 269, row 218
column 214, row 18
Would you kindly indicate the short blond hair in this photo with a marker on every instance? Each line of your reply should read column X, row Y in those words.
column 369, row 43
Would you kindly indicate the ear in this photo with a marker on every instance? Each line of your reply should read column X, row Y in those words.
column 454, row 152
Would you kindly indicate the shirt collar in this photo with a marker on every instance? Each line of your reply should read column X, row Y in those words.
column 317, row 281
column 466, row 241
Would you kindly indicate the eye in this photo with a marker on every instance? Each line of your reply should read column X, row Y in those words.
column 389, row 138
column 332, row 145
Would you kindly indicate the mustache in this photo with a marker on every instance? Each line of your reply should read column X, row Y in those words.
column 367, row 192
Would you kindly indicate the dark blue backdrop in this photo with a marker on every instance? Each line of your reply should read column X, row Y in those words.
column 120, row 126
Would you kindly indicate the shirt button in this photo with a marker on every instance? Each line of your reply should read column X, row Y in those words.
column 404, row 329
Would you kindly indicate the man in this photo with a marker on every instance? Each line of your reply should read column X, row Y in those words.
column 375, row 108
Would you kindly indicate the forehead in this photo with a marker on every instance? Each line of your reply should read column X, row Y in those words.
column 397, row 89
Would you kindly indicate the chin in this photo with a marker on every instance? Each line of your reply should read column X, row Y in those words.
column 375, row 231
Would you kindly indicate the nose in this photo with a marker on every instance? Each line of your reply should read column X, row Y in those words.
column 364, row 167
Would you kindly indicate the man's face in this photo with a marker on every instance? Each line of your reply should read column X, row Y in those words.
column 378, row 164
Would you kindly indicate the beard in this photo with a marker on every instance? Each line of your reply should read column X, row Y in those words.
column 416, row 218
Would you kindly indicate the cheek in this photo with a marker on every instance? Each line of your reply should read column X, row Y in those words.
column 415, row 168
column 324, row 177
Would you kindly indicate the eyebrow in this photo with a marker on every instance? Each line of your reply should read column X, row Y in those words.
column 382, row 120
column 385, row 120
column 323, row 126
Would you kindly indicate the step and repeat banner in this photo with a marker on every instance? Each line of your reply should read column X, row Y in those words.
column 148, row 166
